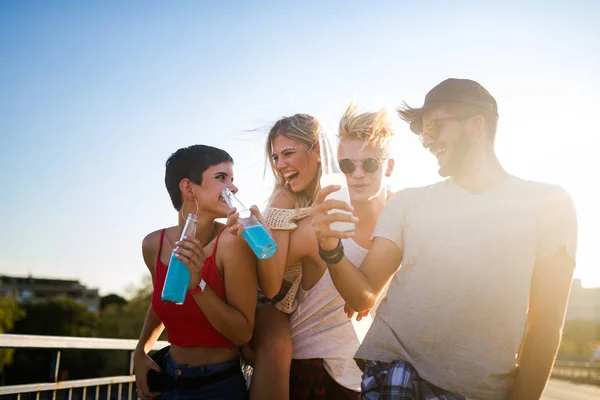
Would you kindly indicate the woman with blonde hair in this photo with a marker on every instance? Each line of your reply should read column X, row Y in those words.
column 292, row 147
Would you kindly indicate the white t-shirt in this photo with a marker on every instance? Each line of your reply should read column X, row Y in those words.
column 456, row 309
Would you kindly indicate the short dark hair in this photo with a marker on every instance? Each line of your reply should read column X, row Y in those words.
column 190, row 162
column 409, row 114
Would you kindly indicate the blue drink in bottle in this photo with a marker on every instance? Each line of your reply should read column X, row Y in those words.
column 257, row 237
column 178, row 276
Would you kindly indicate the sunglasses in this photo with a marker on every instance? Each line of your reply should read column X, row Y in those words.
column 370, row 165
column 432, row 129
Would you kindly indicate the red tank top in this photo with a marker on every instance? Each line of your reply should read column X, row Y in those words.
column 186, row 324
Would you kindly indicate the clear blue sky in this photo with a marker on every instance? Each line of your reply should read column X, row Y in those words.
column 96, row 95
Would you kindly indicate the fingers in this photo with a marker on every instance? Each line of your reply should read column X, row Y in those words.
column 324, row 192
column 256, row 212
column 142, row 366
column 323, row 230
column 141, row 385
column 154, row 365
column 349, row 312
column 193, row 245
column 335, row 217
column 146, row 395
column 360, row 316
column 233, row 226
column 324, row 208
column 232, row 217
column 188, row 257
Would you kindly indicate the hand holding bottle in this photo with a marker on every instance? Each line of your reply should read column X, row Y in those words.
column 254, row 233
column 324, row 219
column 190, row 252
column 178, row 278
column 235, row 227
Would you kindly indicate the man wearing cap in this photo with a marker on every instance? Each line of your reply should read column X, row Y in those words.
column 480, row 266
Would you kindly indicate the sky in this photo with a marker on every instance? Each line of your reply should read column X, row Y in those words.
column 96, row 95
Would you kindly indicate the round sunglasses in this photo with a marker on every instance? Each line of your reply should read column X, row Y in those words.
column 370, row 165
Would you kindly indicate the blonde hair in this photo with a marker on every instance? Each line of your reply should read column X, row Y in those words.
column 303, row 129
column 372, row 127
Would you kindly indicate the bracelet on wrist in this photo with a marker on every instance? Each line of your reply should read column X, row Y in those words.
column 199, row 288
column 332, row 256
column 333, row 251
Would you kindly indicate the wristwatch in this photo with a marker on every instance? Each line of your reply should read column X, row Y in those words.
column 199, row 288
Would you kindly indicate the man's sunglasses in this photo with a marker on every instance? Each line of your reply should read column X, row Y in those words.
column 370, row 165
column 432, row 129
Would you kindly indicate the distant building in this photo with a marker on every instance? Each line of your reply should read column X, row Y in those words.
column 584, row 303
column 30, row 290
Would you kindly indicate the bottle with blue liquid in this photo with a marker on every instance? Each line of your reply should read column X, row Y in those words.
column 178, row 276
column 257, row 237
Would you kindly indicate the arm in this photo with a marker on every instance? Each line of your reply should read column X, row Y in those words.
column 361, row 287
column 270, row 271
column 153, row 326
column 151, row 331
column 234, row 319
column 356, row 286
column 550, row 287
column 548, row 295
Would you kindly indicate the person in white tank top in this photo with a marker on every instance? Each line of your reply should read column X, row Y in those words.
column 324, row 338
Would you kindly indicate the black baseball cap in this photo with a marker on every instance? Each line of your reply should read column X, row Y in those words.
column 452, row 90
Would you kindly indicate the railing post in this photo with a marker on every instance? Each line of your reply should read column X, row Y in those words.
column 55, row 369
column 130, row 391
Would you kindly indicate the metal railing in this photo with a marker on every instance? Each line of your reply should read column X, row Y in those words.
column 113, row 386
column 584, row 372
column 61, row 343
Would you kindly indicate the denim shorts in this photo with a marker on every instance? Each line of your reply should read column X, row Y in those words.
column 233, row 387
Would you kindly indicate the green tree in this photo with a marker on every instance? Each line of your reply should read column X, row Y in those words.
column 110, row 299
column 60, row 317
column 125, row 321
column 10, row 313
column 57, row 317
column 579, row 339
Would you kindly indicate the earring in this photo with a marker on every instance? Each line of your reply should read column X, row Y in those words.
column 318, row 159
